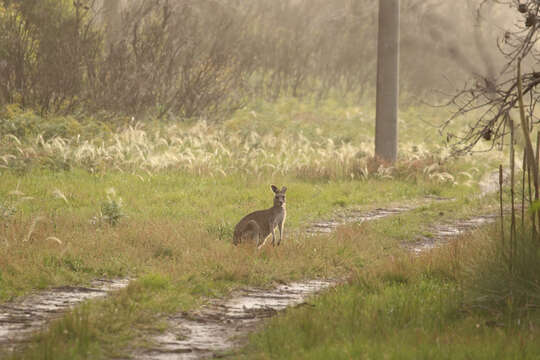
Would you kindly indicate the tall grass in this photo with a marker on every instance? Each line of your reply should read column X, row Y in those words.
column 508, row 288
column 215, row 151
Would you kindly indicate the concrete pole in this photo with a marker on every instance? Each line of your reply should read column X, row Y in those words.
column 386, row 127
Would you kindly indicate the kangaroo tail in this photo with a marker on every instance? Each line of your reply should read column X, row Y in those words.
column 236, row 236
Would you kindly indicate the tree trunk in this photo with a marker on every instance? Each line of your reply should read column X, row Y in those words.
column 111, row 16
column 386, row 130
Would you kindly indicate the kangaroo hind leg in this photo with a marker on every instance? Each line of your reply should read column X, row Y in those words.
column 253, row 231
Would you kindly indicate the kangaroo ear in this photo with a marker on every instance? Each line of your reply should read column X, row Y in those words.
column 274, row 188
column 283, row 189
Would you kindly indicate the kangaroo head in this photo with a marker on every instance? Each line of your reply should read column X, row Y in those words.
column 279, row 197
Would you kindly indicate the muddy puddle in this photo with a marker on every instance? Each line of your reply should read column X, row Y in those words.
column 223, row 325
column 354, row 216
column 443, row 233
column 21, row 318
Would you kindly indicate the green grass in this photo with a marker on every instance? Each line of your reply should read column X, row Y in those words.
column 183, row 187
column 340, row 119
column 421, row 319
column 177, row 242
column 168, row 208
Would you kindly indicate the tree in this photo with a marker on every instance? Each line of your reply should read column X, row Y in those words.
column 386, row 130
column 111, row 15
column 493, row 99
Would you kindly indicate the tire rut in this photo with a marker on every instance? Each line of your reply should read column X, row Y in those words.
column 222, row 325
column 21, row 318
column 443, row 233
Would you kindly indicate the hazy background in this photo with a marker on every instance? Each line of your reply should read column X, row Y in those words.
column 206, row 58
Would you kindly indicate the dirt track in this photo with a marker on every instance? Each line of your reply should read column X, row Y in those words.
column 19, row 319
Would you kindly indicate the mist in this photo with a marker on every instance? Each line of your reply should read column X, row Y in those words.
column 206, row 57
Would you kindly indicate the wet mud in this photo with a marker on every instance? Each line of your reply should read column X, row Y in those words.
column 443, row 233
column 21, row 318
column 222, row 325
column 353, row 216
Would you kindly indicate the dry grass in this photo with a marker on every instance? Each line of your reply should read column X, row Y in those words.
column 215, row 151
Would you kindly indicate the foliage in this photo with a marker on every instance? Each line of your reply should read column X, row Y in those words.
column 171, row 58
column 46, row 45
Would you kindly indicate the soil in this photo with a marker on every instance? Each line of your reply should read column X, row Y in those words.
column 22, row 317
column 223, row 325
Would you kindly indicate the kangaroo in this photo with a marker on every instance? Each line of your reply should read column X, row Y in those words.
column 260, row 224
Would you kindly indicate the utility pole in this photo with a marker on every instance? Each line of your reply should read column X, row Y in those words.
column 386, row 127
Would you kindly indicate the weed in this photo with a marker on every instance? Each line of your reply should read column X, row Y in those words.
column 234, row 148
column 7, row 210
column 222, row 231
column 163, row 252
column 154, row 282
column 112, row 208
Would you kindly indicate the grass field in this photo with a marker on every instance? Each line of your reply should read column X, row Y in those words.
column 158, row 203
